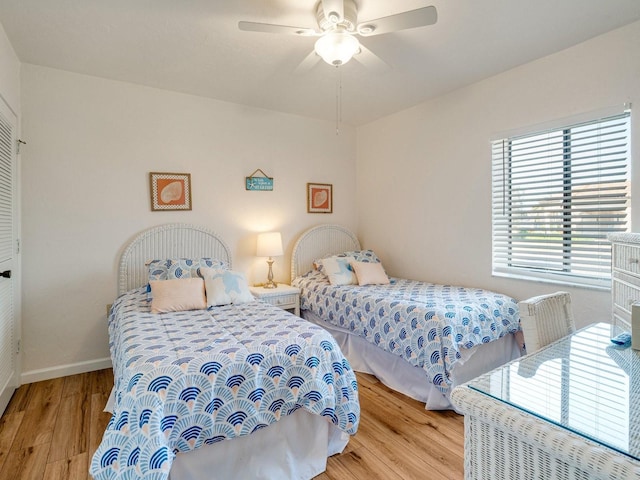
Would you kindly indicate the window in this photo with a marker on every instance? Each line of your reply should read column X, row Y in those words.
column 556, row 195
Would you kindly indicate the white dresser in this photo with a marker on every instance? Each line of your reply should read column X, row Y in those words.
column 625, row 276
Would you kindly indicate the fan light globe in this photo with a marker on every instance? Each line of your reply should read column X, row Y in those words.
column 337, row 48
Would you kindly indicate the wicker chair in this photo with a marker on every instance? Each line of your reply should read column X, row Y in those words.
column 545, row 319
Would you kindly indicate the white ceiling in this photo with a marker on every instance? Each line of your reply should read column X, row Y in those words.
column 194, row 46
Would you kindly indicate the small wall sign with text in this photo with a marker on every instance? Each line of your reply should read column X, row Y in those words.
column 260, row 183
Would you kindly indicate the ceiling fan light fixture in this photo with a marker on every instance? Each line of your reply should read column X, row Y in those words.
column 337, row 48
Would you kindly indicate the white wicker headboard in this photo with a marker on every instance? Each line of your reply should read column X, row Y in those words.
column 174, row 240
column 319, row 242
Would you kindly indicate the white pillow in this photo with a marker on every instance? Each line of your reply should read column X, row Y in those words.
column 338, row 270
column 370, row 273
column 177, row 295
column 225, row 286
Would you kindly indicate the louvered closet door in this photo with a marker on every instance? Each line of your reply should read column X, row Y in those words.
column 8, row 325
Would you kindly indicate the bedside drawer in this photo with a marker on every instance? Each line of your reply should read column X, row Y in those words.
column 284, row 296
column 626, row 258
column 281, row 300
column 624, row 293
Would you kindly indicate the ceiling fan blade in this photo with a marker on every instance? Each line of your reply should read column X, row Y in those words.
column 307, row 64
column 271, row 28
column 371, row 61
column 333, row 10
column 420, row 17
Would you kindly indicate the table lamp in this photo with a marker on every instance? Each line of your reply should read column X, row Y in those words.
column 269, row 245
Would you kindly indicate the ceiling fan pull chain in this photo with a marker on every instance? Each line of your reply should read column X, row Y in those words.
column 338, row 99
column 340, row 86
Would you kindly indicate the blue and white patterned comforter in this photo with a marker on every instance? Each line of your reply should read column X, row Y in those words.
column 188, row 379
column 424, row 323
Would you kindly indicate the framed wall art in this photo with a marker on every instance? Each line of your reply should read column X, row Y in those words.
column 319, row 198
column 170, row 191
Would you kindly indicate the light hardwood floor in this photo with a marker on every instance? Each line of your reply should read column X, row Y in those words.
column 51, row 429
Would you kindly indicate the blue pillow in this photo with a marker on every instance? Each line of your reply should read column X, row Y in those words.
column 357, row 255
column 174, row 268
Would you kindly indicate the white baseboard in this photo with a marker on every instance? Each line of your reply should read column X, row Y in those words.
column 5, row 396
column 64, row 370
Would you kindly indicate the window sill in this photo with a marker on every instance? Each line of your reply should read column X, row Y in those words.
column 562, row 282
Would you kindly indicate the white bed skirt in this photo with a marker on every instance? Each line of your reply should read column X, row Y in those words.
column 412, row 381
column 294, row 448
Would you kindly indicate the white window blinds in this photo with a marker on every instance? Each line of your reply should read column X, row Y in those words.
column 556, row 195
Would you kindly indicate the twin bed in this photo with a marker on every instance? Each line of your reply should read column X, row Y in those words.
column 247, row 390
column 243, row 390
column 418, row 338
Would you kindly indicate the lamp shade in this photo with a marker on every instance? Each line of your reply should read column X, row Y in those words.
column 337, row 48
column 269, row 244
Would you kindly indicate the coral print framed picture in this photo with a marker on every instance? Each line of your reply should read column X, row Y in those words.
column 319, row 198
column 170, row 191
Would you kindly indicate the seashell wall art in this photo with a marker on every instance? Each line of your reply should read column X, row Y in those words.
column 319, row 198
column 170, row 191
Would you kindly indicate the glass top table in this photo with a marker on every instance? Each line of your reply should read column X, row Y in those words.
column 582, row 383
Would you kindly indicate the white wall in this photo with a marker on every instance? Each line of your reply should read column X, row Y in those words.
column 9, row 73
column 91, row 144
column 424, row 185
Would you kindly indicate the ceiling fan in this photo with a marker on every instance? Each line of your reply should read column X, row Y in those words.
column 337, row 28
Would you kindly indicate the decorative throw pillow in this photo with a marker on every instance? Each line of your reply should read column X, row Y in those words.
column 369, row 273
column 177, row 295
column 338, row 271
column 225, row 287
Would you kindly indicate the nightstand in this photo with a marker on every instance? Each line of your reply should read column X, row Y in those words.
column 285, row 296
